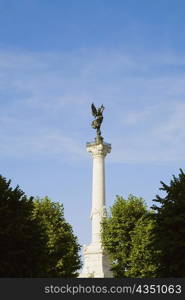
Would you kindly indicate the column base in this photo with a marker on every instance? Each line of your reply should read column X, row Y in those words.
column 96, row 263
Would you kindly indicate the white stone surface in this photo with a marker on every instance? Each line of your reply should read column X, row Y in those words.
column 96, row 263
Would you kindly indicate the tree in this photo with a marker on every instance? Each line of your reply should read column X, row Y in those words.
column 117, row 229
column 170, row 228
column 143, row 254
column 21, row 239
column 62, row 247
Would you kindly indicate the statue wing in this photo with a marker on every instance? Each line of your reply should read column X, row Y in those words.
column 94, row 110
column 102, row 108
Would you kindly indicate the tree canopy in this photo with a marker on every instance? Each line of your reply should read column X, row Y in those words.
column 143, row 256
column 170, row 228
column 35, row 239
column 117, row 231
column 62, row 247
column 22, row 243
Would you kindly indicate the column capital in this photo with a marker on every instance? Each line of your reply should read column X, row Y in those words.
column 98, row 149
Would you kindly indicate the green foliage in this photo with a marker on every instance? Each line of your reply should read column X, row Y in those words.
column 21, row 240
column 143, row 255
column 35, row 239
column 170, row 228
column 117, row 230
column 61, row 247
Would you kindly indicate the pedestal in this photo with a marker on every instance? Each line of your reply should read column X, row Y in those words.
column 96, row 263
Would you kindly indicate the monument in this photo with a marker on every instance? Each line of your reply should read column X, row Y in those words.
column 96, row 263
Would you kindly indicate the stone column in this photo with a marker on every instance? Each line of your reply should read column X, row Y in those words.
column 98, row 151
column 95, row 261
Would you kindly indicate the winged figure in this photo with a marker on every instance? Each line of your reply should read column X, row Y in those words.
column 98, row 115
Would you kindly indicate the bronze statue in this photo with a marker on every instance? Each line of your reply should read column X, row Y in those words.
column 98, row 114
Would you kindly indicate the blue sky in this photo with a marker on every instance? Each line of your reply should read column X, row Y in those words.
column 56, row 57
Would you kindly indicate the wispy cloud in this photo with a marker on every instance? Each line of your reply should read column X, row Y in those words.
column 157, row 135
column 45, row 100
column 135, row 117
column 42, row 145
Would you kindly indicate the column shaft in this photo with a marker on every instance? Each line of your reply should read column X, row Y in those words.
column 98, row 185
column 98, row 197
column 96, row 263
